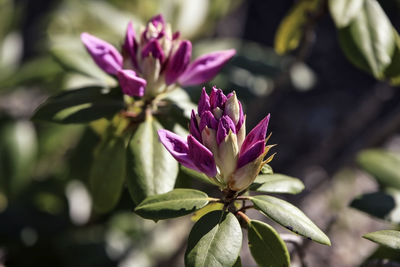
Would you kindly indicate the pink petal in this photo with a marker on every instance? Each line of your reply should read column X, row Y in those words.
column 205, row 67
column 257, row 134
column 104, row 54
column 131, row 84
column 251, row 154
column 178, row 62
column 202, row 157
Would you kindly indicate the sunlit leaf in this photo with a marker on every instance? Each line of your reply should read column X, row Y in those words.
column 215, row 240
column 107, row 173
column 203, row 211
column 344, row 11
column 289, row 217
column 178, row 202
column 151, row 168
column 291, row 29
column 368, row 41
column 382, row 165
column 383, row 205
column 266, row 246
column 80, row 106
column 277, row 183
column 388, row 238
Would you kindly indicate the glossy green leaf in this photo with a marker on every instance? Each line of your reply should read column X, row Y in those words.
column 368, row 41
column 382, row 165
column 393, row 70
column 107, row 174
column 383, row 205
column 198, row 175
column 388, row 238
column 215, row 240
column 291, row 29
column 344, row 11
column 277, row 183
column 266, row 246
column 289, row 217
column 178, row 202
column 203, row 211
column 80, row 105
column 151, row 169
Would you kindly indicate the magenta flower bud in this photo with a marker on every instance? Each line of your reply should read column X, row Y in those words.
column 105, row 55
column 131, row 84
column 257, row 134
column 153, row 48
column 130, row 45
column 204, row 103
column 178, row 62
column 178, row 148
column 224, row 126
column 205, row 67
column 202, row 157
column 208, row 119
column 216, row 144
column 194, row 127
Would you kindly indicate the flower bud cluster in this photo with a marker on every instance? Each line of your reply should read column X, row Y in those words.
column 217, row 144
column 154, row 61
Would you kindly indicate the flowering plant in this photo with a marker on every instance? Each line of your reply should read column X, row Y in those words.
column 155, row 61
column 218, row 147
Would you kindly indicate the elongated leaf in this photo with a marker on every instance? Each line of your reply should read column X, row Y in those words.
column 266, row 246
column 277, row 183
column 291, row 29
column 344, row 11
column 108, row 173
column 289, row 217
column 383, row 205
column 203, row 211
column 382, row 165
column 393, row 70
column 215, row 240
column 368, row 41
column 178, row 202
column 151, row 169
column 198, row 175
column 388, row 238
column 80, row 106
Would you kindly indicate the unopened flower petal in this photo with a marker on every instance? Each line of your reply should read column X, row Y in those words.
column 178, row 148
column 205, row 68
column 130, row 45
column 105, row 55
column 131, row 84
column 202, row 157
column 224, row 126
column 251, row 154
column 194, row 127
column 257, row 134
column 178, row 62
column 217, row 98
column 204, row 103
column 153, row 48
column 207, row 119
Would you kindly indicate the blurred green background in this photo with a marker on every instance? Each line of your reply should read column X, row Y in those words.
column 323, row 112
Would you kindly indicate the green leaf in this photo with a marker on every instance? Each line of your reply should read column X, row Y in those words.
column 388, row 238
column 266, row 246
column 198, row 175
column 215, row 240
column 151, row 169
column 107, row 174
column 277, row 183
column 383, row 205
column 289, row 217
column 267, row 169
column 291, row 28
column 178, row 202
column 80, row 105
column 344, row 11
column 368, row 41
column 393, row 70
column 382, row 165
column 207, row 209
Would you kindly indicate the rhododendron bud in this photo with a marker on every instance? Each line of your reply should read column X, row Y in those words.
column 217, row 145
column 158, row 56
